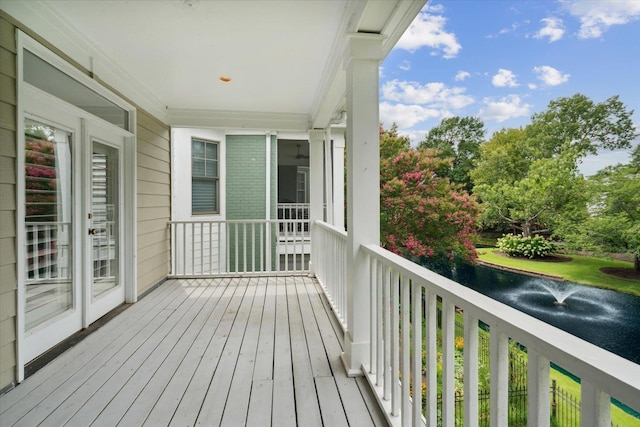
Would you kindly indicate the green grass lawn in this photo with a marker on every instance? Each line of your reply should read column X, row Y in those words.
column 618, row 416
column 581, row 269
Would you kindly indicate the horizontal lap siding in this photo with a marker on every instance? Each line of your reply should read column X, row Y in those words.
column 8, row 280
column 154, row 201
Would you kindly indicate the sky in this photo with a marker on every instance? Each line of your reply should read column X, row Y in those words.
column 503, row 61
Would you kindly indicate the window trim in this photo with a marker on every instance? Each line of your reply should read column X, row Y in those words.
column 215, row 179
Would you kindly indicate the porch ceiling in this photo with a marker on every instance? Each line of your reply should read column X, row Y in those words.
column 284, row 57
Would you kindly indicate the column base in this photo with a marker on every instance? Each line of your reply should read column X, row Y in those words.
column 354, row 357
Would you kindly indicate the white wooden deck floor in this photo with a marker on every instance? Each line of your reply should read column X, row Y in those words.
column 229, row 352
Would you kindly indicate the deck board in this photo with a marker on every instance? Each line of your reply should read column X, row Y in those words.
column 61, row 368
column 163, row 392
column 226, row 351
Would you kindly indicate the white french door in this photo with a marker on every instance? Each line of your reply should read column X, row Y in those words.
column 104, row 288
column 71, row 233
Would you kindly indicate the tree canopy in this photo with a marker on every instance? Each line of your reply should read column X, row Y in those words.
column 422, row 212
column 458, row 138
column 528, row 178
column 531, row 203
column 613, row 221
column 582, row 124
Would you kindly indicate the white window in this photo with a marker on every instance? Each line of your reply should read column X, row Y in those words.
column 205, row 179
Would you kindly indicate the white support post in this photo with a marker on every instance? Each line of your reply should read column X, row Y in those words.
column 316, row 139
column 362, row 59
column 538, row 374
column 596, row 406
column 328, row 177
column 267, row 213
column 338, row 177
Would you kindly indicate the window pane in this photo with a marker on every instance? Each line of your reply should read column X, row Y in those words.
column 197, row 149
column 45, row 76
column 212, row 168
column 198, row 168
column 48, row 226
column 212, row 151
column 204, row 195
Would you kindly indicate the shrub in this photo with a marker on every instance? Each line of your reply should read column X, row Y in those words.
column 530, row 247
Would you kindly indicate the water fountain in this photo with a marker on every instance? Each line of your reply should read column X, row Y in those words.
column 560, row 293
column 550, row 298
column 604, row 317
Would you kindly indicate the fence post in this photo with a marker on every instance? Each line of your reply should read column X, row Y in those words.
column 554, row 390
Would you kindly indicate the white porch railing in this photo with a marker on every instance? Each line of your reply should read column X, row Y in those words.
column 205, row 248
column 48, row 255
column 294, row 211
column 330, row 265
column 405, row 299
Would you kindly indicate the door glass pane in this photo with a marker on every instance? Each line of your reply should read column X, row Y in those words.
column 104, row 221
column 48, row 222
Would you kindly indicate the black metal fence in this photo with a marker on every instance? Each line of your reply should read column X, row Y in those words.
column 517, row 408
column 565, row 408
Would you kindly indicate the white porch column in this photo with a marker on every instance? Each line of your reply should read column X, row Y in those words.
column 362, row 59
column 338, row 177
column 328, row 174
column 316, row 174
column 316, row 139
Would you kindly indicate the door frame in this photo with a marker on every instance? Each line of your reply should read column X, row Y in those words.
column 129, row 176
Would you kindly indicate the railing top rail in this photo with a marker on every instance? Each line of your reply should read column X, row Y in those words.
column 47, row 223
column 241, row 221
column 613, row 374
column 331, row 228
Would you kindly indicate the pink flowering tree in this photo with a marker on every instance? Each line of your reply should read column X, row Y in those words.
column 423, row 213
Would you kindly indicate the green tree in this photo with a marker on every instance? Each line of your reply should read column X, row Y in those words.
column 458, row 138
column 613, row 222
column 527, row 178
column 392, row 144
column 580, row 123
column 533, row 203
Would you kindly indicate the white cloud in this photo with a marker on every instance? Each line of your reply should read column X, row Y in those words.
column 504, row 78
column 405, row 66
column 503, row 109
column 415, row 135
column 532, row 86
column 428, row 30
column 405, row 116
column 436, row 8
column 504, row 31
column 550, row 76
column 552, row 29
column 461, row 75
column 598, row 15
column 435, row 95
column 513, row 27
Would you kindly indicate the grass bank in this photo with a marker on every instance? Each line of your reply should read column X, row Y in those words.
column 618, row 416
column 580, row 269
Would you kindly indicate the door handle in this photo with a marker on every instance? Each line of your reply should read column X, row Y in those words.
column 93, row 231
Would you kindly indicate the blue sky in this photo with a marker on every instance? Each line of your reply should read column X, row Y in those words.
column 502, row 61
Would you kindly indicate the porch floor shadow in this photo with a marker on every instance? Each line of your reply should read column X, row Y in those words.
column 255, row 351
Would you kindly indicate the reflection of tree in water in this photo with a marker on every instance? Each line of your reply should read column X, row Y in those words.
column 40, row 174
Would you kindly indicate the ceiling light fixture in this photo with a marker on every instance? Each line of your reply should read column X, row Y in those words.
column 224, row 79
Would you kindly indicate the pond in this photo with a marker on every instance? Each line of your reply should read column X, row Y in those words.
column 606, row 318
